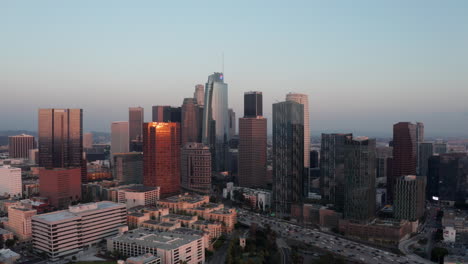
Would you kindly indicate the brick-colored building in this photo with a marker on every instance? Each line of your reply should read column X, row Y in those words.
column 215, row 229
column 378, row 231
column 62, row 186
column 19, row 222
column 183, row 202
column 161, row 226
column 135, row 220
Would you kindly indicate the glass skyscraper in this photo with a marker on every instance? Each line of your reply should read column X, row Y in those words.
column 215, row 126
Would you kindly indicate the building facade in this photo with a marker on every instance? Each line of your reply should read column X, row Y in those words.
column 128, row 167
column 448, row 177
column 359, row 167
column 425, row 151
column 135, row 127
column 19, row 146
column 410, row 197
column 215, row 126
column 62, row 186
column 10, row 181
column 19, row 221
column 161, row 156
column 119, row 137
column 62, row 234
column 199, row 94
column 191, row 121
column 288, row 156
column 196, row 168
column 303, row 99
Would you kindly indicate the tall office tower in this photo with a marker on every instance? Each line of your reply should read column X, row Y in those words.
column 165, row 113
column 161, row 156
column 10, row 181
column 215, row 126
column 419, row 140
column 88, row 140
column 191, row 122
column 62, row 186
column 332, row 179
column 199, row 94
column 410, row 197
column 135, row 127
column 288, row 156
column 382, row 156
column 128, row 167
column 252, row 142
column 359, row 168
column 303, row 99
column 253, row 104
column 232, row 123
column 404, row 154
column 19, row 146
column 196, row 168
column 119, row 137
column 314, row 159
column 60, row 138
column 426, row 150
column 448, row 177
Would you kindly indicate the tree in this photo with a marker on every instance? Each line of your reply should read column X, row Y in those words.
column 9, row 243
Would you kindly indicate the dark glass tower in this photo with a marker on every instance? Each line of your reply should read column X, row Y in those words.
column 288, row 156
column 60, row 138
column 191, row 121
column 135, row 127
column 253, row 104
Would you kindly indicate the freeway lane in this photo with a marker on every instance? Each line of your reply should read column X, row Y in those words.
column 328, row 242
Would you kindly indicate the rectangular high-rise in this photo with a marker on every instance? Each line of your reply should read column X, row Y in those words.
column 164, row 113
column 252, row 142
column 119, row 137
column 303, row 99
column 199, row 94
column 62, row 186
column 135, row 127
column 404, row 154
column 128, row 167
column 10, row 181
column 359, row 170
column 191, row 121
column 60, row 138
column 425, row 151
column 332, row 160
column 161, row 156
column 196, row 168
column 19, row 146
column 410, row 197
column 288, row 156
column 447, row 177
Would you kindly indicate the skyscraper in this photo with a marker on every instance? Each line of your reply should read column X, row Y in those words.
column 62, row 186
column 215, row 126
column 232, row 123
column 60, row 138
column 419, row 140
column 199, row 94
column 165, row 113
column 303, row 99
column 88, row 140
column 161, row 156
column 10, row 181
column 191, row 121
column 135, row 127
column 288, row 156
column 128, row 167
column 404, row 154
column 19, row 146
column 448, row 177
column 196, row 168
column 119, row 137
column 252, row 143
column 332, row 161
column 425, row 151
column 359, row 167
column 410, row 197
column 253, row 104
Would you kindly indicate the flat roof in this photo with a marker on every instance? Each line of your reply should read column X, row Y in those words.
column 166, row 240
column 176, row 216
column 67, row 214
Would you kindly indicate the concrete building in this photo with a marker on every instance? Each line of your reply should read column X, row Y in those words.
column 19, row 221
column 161, row 226
column 196, row 168
column 128, row 167
column 136, row 219
column 10, row 181
column 191, row 121
column 303, row 99
column 410, row 197
column 199, row 94
column 7, row 256
column 258, row 198
column 171, row 247
column 147, row 258
column 62, row 234
column 62, row 186
column 19, row 146
column 137, row 195
column 153, row 211
column 88, row 140
column 183, row 201
column 161, row 156
column 135, row 127
column 288, row 156
column 119, row 137
column 214, row 228
column 440, row 147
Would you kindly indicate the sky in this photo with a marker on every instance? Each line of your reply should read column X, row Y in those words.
column 365, row 65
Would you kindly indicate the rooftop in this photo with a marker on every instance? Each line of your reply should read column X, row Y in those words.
column 76, row 211
column 156, row 239
column 179, row 217
column 143, row 258
column 189, row 198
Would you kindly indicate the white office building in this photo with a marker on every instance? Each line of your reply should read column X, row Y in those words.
column 10, row 181
column 62, row 234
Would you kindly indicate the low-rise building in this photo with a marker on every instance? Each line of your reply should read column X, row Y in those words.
column 144, row 259
column 153, row 211
column 62, row 234
column 8, row 256
column 258, row 198
column 136, row 195
column 135, row 220
column 449, row 234
column 171, row 247
column 184, row 201
column 215, row 229
column 20, row 221
column 5, row 235
column 161, row 226
column 10, row 181
column 185, row 220
column 228, row 217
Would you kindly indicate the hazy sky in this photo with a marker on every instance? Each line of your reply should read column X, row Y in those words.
column 364, row 64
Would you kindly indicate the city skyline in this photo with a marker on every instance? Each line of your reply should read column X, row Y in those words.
column 399, row 67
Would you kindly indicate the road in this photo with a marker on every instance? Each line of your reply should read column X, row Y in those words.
column 285, row 251
column 220, row 255
column 336, row 245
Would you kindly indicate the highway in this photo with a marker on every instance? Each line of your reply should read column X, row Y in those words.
column 346, row 248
